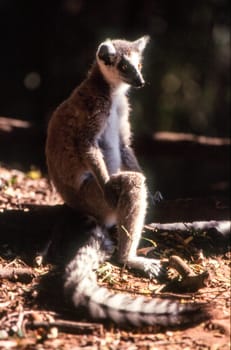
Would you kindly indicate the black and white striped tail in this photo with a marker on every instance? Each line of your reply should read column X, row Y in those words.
column 81, row 287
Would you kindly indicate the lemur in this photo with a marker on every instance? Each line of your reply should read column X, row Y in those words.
column 92, row 165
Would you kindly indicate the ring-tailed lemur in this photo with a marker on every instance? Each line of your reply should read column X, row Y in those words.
column 93, row 167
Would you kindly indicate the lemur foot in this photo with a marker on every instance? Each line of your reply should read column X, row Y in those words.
column 153, row 268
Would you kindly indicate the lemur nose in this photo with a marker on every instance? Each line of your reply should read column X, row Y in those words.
column 139, row 82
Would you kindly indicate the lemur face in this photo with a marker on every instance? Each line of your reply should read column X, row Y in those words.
column 120, row 61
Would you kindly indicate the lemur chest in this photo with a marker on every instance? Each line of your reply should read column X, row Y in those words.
column 109, row 140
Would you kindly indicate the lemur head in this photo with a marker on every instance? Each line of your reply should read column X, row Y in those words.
column 120, row 61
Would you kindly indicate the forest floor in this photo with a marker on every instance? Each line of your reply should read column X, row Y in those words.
column 28, row 321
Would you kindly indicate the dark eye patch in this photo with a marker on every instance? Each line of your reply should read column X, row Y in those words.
column 124, row 66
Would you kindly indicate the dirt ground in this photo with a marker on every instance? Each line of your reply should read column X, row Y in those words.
column 29, row 321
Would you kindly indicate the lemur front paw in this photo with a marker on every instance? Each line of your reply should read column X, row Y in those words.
column 155, row 198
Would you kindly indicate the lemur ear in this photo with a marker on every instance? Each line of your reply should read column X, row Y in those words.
column 141, row 43
column 106, row 52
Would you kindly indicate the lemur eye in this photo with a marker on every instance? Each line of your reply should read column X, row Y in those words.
column 139, row 66
column 124, row 66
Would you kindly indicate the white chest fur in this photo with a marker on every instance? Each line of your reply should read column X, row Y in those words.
column 111, row 138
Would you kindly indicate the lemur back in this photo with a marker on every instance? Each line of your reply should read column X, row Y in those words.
column 93, row 167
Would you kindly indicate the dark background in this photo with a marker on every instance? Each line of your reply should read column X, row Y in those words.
column 46, row 48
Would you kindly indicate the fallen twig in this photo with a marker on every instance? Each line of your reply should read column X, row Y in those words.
column 223, row 226
column 22, row 274
column 180, row 266
column 68, row 326
column 190, row 281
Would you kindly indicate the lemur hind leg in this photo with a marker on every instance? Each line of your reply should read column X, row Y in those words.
column 91, row 201
column 130, row 191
